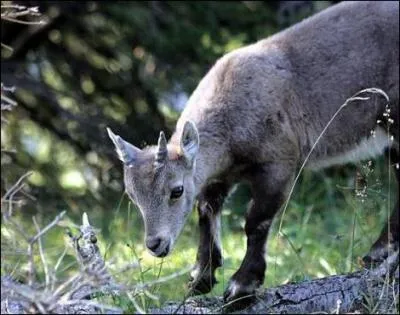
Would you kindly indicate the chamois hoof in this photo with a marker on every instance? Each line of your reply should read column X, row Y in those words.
column 201, row 283
column 238, row 296
column 370, row 262
column 378, row 253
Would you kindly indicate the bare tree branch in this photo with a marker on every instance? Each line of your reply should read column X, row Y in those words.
column 42, row 256
column 13, row 190
column 48, row 227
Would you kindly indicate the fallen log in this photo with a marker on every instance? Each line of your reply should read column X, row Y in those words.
column 358, row 292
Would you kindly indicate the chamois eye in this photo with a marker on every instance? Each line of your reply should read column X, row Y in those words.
column 176, row 192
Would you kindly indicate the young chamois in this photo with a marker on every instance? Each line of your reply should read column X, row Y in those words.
column 254, row 118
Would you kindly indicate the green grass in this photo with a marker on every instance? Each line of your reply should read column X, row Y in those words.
column 325, row 231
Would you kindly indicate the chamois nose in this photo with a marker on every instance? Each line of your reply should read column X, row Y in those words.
column 158, row 246
column 153, row 243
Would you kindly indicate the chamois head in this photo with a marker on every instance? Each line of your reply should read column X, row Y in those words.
column 160, row 181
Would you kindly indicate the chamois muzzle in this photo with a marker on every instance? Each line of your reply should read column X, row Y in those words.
column 158, row 246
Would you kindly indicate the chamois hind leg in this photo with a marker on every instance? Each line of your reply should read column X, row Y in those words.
column 269, row 186
column 389, row 238
column 209, row 255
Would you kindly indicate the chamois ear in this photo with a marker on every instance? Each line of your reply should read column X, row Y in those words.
column 127, row 152
column 189, row 142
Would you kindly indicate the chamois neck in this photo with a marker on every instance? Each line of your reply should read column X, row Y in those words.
column 211, row 161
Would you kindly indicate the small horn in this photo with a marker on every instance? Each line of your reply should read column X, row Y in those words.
column 162, row 150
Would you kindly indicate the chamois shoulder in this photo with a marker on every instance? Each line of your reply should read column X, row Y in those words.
column 262, row 58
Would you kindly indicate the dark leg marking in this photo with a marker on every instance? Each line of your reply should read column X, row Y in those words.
column 209, row 256
column 268, row 189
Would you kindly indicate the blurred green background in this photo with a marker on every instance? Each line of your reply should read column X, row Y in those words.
column 131, row 66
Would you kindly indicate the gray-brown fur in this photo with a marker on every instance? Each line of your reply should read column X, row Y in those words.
column 255, row 116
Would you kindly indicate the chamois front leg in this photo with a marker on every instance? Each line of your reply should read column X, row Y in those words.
column 209, row 255
column 268, row 189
